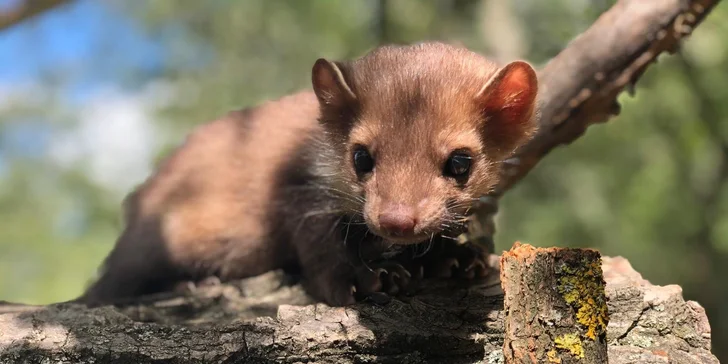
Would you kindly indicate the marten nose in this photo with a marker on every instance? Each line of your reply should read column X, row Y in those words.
column 398, row 220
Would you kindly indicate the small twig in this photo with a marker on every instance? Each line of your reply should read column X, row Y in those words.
column 26, row 10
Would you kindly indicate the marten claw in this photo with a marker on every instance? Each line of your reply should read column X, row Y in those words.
column 382, row 278
column 379, row 271
column 476, row 268
column 372, row 283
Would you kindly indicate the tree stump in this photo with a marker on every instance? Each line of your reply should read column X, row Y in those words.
column 555, row 306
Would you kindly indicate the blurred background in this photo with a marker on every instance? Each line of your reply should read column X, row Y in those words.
column 93, row 93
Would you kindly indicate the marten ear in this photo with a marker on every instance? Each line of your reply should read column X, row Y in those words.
column 337, row 100
column 330, row 85
column 508, row 103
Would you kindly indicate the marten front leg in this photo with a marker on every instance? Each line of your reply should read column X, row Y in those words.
column 341, row 271
column 377, row 280
column 341, row 282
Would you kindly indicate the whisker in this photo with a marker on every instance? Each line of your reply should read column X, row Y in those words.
column 364, row 261
column 346, row 235
column 427, row 249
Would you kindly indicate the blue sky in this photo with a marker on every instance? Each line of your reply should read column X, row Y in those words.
column 86, row 41
column 88, row 44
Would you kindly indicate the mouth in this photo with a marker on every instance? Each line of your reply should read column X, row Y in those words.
column 410, row 239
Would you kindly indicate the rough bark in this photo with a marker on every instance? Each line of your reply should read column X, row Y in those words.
column 563, row 289
column 254, row 322
column 579, row 87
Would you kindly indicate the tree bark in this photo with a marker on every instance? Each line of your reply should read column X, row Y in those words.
column 268, row 320
column 581, row 84
column 579, row 87
column 564, row 290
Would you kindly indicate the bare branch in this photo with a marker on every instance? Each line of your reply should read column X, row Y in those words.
column 581, row 84
column 442, row 324
column 26, row 10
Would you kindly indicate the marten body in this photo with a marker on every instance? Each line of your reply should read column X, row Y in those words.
column 385, row 156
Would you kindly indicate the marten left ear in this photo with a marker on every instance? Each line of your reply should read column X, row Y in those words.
column 330, row 85
column 335, row 95
column 508, row 104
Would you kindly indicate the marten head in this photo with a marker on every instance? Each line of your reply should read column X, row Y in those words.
column 418, row 132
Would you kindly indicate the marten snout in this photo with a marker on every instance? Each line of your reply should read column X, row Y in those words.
column 398, row 220
column 404, row 222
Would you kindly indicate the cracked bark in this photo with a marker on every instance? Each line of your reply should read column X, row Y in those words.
column 267, row 319
column 555, row 306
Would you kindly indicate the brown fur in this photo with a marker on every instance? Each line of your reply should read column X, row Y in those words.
column 275, row 186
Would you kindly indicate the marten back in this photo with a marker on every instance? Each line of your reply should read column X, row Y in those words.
column 208, row 205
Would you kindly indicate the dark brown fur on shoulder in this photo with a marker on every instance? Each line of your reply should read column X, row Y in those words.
column 382, row 160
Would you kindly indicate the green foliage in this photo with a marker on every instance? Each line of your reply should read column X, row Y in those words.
column 650, row 185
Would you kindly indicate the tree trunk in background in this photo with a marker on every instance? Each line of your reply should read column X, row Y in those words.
column 502, row 31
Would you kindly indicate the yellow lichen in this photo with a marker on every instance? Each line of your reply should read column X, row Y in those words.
column 552, row 357
column 582, row 287
column 570, row 342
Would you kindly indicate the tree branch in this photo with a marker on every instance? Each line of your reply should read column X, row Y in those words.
column 26, row 10
column 581, row 84
column 443, row 323
column 569, row 301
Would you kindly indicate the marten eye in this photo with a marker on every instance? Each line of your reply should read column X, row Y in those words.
column 363, row 162
column 458, row 165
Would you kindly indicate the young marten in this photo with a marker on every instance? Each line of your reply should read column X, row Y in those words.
column 360, row 186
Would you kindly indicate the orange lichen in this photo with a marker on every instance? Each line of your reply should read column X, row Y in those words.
column 519, row 249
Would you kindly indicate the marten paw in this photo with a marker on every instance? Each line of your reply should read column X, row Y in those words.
column 373, row 283
column 455, row 260
column 388, row 277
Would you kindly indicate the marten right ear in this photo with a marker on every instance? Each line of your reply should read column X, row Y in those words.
column 330, row 85
column 508, row 103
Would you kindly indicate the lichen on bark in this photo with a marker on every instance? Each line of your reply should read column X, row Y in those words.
column 582, row 287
